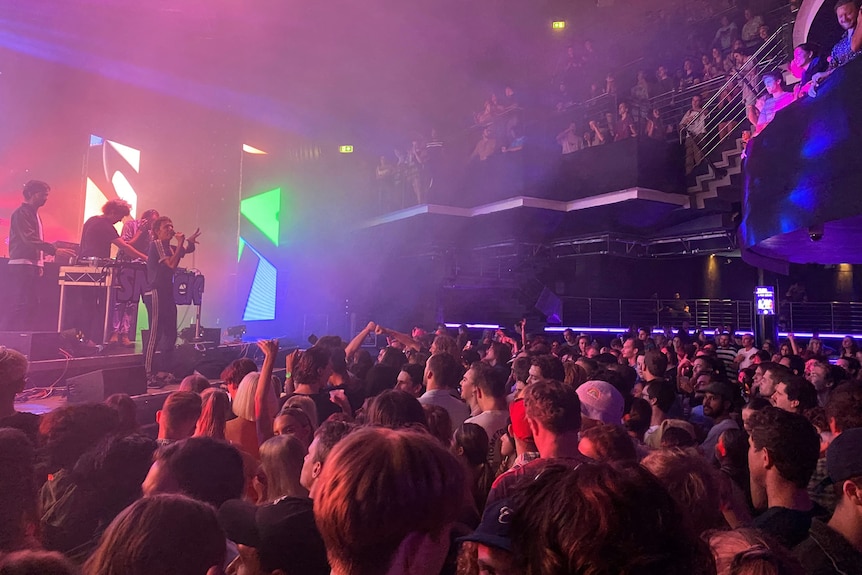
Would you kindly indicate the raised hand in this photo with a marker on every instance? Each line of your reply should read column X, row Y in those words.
column 193, row 239
column 269, row 347
column 180, row 237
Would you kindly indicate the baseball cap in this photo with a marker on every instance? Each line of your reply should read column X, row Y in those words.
column 844, row 456
column 518, row 415
column 283, row 532
column 601, row 401
column 493, row 530
column 720, row 388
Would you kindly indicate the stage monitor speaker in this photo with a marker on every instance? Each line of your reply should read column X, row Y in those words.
column 35, row 345
column 101, row 384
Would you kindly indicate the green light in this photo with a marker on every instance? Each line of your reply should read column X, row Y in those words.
column 263, row 210
column 345, row 149
column 240, row 250
column 559, row 25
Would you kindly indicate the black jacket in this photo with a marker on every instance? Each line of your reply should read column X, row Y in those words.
column 24, row 240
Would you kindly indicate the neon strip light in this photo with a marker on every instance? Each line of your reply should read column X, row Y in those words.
column 556, row 329
column 475, row 325
column 822, row 335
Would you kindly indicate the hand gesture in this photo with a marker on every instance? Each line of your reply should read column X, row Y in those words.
column 180, row 237
column 193, row 239
column 380, row 330
column 269, row 347
column 290, row 360
column 371, row 327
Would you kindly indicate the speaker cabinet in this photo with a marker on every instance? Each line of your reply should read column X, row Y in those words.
column 35, row 345
column 101, row 384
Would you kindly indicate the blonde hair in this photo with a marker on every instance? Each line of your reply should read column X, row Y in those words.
column 243, row 401
column 281, row 460
column 214, row 414
column 409, row 484
column 307, row 405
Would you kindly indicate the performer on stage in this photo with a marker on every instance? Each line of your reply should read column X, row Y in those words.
column 161, row 264
column 96, row 239
column 137, row 233
column 27, row 249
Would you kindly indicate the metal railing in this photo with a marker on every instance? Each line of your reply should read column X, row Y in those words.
column 707, row 313
column 726, row 110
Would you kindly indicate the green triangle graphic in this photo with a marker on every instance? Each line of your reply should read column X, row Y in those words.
column 263, row 211
column 240, row 250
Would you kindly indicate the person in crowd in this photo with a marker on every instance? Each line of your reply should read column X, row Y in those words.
column 750, row 29
column 232, row 375
column 281, row 460
column 726, row 34
column 602, row 517
column 746, row 354
column 523, row 447
column 194, row 382
column 806, row 62
column 747, row 550
column 656, row 127
column 27, row 251
column 410, row 379
column 145, row 538
column 718, row 402
column 607, row 443
column 69, row 431
column 442, row 374
column 126, row 410
column 470, row 444
column 661, row 395
column 400, row 522
column 33, row 562
column 762, row 112
column 732, row 455
column 693, row 123
column 77, row 505
column 726, row 351
column 18, row 504
column 325, row 438
column 215, row 408
column 206, row 469
column 692, row 482
column 13, row 378
column 395, row 409
column 162, row 261
column 821, row 377
column 310, row 376
column 438, row 423
column 294, row 421
column 631, row 349
column 137, row 234
column 794, row 394
column 570, row 139
column 836, row 546
column 486, row 147
column 847, row 48
column 545, row 367
column 782, row 456
column 553, row 412
column 274, row 539
column 601, row 403
column 178, row 417
column 490, row 396
column 490, row 542
column 625, row 126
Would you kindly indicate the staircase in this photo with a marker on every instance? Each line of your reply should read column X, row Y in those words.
column 718, row 181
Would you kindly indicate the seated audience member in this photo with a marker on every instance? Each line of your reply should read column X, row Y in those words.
column 395, row 409
column 836, row 546
column 71, row 430
column 718, row 402
column 749, row 551
column 13, row 376
column 281, row 460
column 692, row 482
column 493, row 547
column 600, row 403
column 215, row 407
column 752, row 25
column 178, row 417
column 36, row 563
column 848, row 46
column 203, row 468
column 602, row 518
column 438, row 423
column 485, row 147
column 794, row 394
column 400, row 522
column 165, row 534
column 233, row 374
column 607, row 443
column 126, row 410
column 194, row 382
column 325, row 438
column 78, row 504
column 470, row 444
column 294, row 421
column 410, row 379
column 782, row 456
column 490, row 392
column 18, row 505
column 274, row 539
column 553, row 413
column 442, row 374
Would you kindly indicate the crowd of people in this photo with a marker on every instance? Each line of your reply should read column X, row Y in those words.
column 655, row 452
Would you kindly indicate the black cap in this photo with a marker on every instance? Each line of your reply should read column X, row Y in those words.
column 722, row 389
column 284, row 534
column 844, row 456
column 493, row 531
